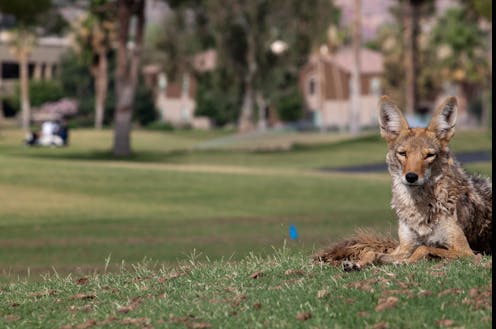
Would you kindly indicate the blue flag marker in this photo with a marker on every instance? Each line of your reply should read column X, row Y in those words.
column 293, row 234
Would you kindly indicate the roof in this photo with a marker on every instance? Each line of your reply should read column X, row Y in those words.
column 336, row 69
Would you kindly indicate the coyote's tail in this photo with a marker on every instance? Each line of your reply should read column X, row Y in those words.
column 355, row 247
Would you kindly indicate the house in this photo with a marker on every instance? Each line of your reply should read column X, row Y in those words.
column 325, row 85
column 175, row 100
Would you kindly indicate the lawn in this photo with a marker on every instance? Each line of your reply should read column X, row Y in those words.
column 279, row 291
column 69, row 209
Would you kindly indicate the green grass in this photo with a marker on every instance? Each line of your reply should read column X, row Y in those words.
column 65, row 213
column 70, row 208
column 209, row 219
column 224, row 294
column 276, row 150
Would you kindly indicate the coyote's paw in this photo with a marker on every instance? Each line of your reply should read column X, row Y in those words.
column 400, row 262
column 349, row 266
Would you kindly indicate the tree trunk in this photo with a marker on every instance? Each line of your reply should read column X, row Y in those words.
column 355, row 72
column 245, row 120
column 262, row 105
column 101, row 87
column 24, row 86
column 485, row 108
column 126, row 74
column 1, row 93
column 122, row 140
column 410, row 24
column 246, row 117
column 487, row 87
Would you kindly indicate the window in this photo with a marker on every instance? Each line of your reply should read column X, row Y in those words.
column 10, row 70
column 185, row 86
column 311, row 86
column 375, row 86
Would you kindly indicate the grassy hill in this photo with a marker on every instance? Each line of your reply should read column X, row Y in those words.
column 208, row 209
column 71, row 208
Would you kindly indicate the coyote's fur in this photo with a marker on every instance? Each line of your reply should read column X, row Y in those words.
column 442, row 211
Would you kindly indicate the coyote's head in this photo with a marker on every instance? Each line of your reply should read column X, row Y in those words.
column 415, row 154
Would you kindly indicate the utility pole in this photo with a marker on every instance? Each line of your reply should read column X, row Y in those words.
column 355, row 91
column 410, row 24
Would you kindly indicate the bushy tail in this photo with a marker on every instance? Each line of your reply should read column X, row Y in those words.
column 357, row 245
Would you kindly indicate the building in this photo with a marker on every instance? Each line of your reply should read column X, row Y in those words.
column 175, row 100
column 43, row 60
column 43, row 63
column 325, row 85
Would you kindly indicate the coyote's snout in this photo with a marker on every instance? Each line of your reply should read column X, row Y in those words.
column 442, row 210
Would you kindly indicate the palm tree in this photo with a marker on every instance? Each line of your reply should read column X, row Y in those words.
column 21, row 47
column 96, row 36
column 26, row 14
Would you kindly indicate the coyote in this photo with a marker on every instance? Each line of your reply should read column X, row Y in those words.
column 442, row 211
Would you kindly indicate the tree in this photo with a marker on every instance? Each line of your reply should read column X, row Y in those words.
column 302, row 27
column 217, row 97
column 460, row 52
column 21, row 47
column 410, row 24
column 178, row 38
column 355, row 73
column 131, row 23
column 27, row 14
column 244, row 32
column 252, row 75
column 483, row 10
column 408, row 78
column 96, row 35
column 78, row 82
column 413, row 10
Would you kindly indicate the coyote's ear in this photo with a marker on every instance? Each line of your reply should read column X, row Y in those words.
column 391, row 121
column 444, row 120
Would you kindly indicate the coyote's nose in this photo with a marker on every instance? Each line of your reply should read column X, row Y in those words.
column 411, row 177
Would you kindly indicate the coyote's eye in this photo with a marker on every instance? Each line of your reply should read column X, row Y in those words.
column 430, row 155
column 402, row 153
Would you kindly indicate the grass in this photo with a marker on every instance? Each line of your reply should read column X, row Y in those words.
column 70, row 208
column 275, row 150
column 209, row 219
column 279, row 291
column 86, row 211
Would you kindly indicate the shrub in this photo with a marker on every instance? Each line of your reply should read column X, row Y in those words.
column 77, row 82
column 217, row 98
column 163, row 126
column 144, row 106
column 290, row 106
column 40, row 92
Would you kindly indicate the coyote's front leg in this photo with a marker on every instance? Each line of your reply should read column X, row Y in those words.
column 399, row 255
column 447, row 231
column 456, row 243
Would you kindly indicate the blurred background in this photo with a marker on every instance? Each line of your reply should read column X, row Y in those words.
column 172, row 129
